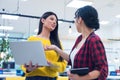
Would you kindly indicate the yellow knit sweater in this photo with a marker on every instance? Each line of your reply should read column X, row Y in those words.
column 51, row 56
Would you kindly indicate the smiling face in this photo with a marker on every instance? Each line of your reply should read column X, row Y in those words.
column 50, row 22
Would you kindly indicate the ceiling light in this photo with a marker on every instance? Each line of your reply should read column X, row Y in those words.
column 6, row 27
column 10, row 17
column 70, row 30
column 104, row 22
column 118, row 16
column 24, row 0
column 116, row 60
column 78, row 3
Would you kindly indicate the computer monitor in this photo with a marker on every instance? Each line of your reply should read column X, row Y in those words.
column 8, row 65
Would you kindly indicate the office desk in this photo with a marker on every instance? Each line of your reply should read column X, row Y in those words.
column 7, row 74
column 61, row 78
column 23, row 78
column 113, row 78
column 13, row 76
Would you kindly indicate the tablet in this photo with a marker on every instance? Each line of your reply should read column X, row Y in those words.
column 80, row 71
column 26, row 51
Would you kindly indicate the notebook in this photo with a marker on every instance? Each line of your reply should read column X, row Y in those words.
column 80, row 71
column 26, row 51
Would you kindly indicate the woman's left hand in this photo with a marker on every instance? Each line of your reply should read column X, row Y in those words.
column 75, row 76
column 30, row 67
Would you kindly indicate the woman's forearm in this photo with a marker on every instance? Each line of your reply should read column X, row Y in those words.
column 94, row 74
column 62, row 54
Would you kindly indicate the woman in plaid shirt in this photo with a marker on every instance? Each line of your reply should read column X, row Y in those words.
column 88, row 50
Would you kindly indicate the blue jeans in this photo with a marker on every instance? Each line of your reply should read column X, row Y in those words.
column 40, row 78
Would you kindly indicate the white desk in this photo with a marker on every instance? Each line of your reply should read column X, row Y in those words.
column 113, row 77
column 7, row 74
column 13, row 74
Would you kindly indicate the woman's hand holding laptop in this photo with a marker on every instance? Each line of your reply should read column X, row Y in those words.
column 30, row 67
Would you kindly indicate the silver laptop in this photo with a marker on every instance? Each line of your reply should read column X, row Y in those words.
column 26, row 51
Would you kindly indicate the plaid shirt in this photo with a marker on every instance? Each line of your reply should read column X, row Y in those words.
column 91, row 54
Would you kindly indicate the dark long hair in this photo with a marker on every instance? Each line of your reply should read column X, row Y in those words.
column 54, row 39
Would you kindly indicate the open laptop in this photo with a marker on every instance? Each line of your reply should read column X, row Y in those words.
column 26, row 51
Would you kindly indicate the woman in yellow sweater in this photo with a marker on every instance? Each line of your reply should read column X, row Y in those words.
column 47, row 34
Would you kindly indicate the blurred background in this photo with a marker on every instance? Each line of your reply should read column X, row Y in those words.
column 28, row 12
